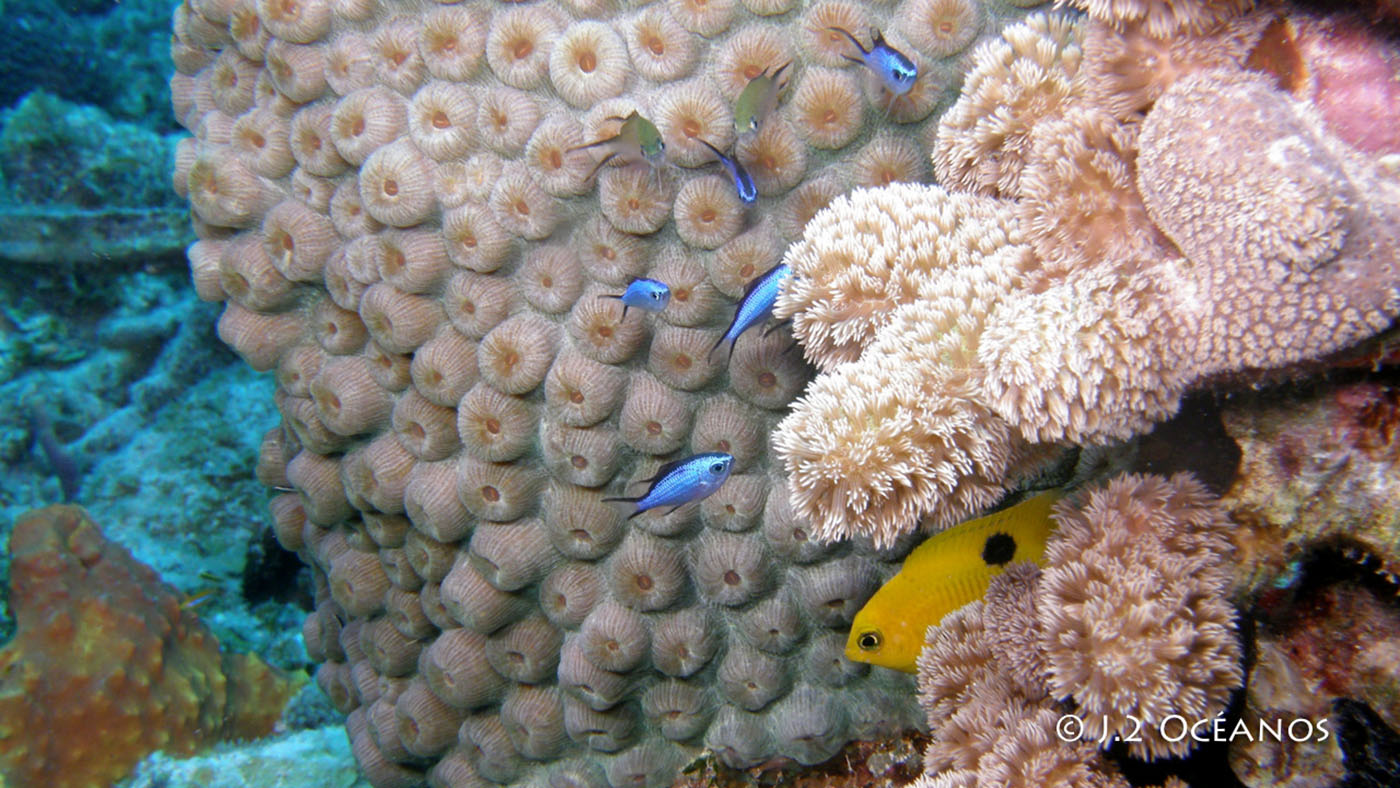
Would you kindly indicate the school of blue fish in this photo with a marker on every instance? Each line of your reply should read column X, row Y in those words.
column 639, row 142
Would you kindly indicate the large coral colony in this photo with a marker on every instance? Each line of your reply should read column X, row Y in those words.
column 401, row 206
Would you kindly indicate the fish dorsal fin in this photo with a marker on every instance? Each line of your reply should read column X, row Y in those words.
column 757, row 282
column 665, row 469
column 1028, row 521
column 852, row 39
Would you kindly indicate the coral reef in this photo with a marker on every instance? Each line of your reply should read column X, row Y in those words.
column 425, row 274
column 1218, row 225
column 1317, row 471
column 1316, row 510
column 1128, row 621
column 104, row 649
column 393, row 206
column 151, row 426
column 1339, row 637
column 78, row 187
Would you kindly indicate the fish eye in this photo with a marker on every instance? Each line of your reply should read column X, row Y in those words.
column 717, row 468
column 655, row 295
column 869, row 640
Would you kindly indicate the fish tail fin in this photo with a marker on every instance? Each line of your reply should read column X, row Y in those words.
column 712, row 148
column 617, row 298
column 636, row 513
column 673, row 508
column 850, row 38
column 623, row 499
column 776, row 326
column 895, row 98
column 855, row 60
column 779, row 84
column 599, row 166
column 732, row 345
column 587, row 145
column 716, row 345
column 789, row 348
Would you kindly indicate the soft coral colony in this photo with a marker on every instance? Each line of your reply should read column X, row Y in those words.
column 1127, row 216
column 394, row 200
column 1155, row 198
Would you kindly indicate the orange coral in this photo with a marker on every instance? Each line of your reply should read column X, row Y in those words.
column 106, row 666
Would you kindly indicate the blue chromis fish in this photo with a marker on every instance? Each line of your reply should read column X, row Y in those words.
column 676, row 484
column 648, row 294
column 895, row 70
column 756, row 305
column 949, row 570
column 758, row 100
column 637, row 140
column 743, row 182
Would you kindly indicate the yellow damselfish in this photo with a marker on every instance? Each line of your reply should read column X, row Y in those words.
column 949, row 570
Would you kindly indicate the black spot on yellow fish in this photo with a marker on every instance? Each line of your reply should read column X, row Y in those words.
column 949, row 570
column 998, row 549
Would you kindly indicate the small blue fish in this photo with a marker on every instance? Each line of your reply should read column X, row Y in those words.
column 743, row 182
column 678, row 483
column 648, row 294
column 896, row 71
column 756, row 305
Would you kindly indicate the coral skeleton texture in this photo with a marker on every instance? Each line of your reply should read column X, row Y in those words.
column 396, row 201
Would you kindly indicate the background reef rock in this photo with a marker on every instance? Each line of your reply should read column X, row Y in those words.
column 85, row 136
column 118, row 397
column 1316, row 513
column 1318, row 470
column 388, row 206
column 78, row 187
column 318, row 758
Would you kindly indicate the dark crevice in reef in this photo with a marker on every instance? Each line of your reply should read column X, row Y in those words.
column 1370, row 748
column 272, row 573
column 1337, row 563
column 1193, row 440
